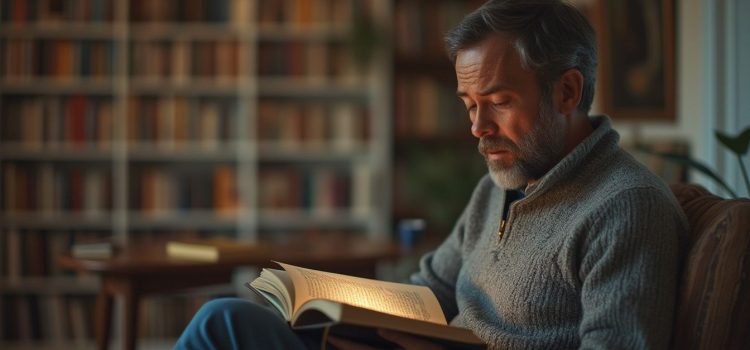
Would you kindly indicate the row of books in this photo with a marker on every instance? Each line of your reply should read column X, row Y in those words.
column 425, row 107
column 60, row 318
column 181, row 59
column 160, row 190
column 211, row 11
column 313, row 125
column 94, row 59
column 55, row 11
column 57, row 58
column 178, row 60
column 69, row 319
column 37, row 122
column 172, row 122
column 305, row 13
column 238, row 12
column 164, row 191
column 315, row 60
column 33, row 253
column 418, row 25
column 318, row 190
column 44, row 12
column 47, row 189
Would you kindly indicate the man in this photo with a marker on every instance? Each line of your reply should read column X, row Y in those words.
column 568, row 242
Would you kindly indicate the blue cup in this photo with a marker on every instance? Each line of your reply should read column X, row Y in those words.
column 410, row 231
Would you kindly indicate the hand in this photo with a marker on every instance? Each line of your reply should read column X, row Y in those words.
column 403, row 340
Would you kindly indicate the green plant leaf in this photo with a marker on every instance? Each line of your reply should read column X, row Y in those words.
column 737, row 144
column 365, row 37
column 690, row 162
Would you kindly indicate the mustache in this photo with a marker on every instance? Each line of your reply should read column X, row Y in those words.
column 488, row 144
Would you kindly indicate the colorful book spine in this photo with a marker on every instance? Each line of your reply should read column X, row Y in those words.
column 341, row 126
column 38, row 123
column 320, row 191
column 56, row 190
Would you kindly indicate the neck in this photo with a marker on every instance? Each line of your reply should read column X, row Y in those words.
column 579, row 128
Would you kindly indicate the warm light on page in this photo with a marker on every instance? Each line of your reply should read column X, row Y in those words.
column 390, row 298
column 315, row 299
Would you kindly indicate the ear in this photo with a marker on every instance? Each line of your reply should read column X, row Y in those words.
column 568, row 90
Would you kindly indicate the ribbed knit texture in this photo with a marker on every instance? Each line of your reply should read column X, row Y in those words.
column 589, row 258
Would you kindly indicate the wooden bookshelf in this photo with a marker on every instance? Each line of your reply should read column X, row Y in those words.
column 433, row 145
column 138, row 120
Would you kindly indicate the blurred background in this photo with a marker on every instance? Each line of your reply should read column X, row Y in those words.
column 138, row 120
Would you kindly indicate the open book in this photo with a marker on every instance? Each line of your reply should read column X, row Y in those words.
column 356, row 307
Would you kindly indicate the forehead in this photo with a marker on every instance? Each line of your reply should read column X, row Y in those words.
column 494, row 60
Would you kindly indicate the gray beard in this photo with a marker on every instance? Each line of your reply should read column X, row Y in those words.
column 536, row 154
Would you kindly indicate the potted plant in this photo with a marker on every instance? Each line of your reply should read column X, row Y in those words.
column 738, row 145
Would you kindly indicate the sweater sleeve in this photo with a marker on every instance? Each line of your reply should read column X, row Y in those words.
column 439, row 269
column 628, row 272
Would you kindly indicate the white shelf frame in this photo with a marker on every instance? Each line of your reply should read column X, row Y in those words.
column 246, row 152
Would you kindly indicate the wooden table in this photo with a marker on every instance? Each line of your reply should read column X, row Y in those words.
column 141, row 269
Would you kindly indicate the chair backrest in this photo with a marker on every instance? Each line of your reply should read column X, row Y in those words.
column 713, row 305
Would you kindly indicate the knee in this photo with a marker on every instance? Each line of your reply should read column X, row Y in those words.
column 222, row 305
column 234, row 323
column 235, row 309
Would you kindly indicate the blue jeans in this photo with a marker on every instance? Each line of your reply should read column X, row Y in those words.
column 233, row 323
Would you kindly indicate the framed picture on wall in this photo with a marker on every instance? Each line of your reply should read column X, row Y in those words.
column 636, row 40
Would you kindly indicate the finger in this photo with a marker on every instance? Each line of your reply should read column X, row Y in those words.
column 344, row 344
column 407, row 341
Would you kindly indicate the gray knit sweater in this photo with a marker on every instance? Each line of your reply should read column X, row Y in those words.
column 588, row 259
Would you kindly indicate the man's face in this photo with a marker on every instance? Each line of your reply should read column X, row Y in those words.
column 520, row 135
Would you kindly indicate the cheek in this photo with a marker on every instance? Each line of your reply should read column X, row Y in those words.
column 517, row 127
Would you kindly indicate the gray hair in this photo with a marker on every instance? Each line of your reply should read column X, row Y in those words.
column 550, row 37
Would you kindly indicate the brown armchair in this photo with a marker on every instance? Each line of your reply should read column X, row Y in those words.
column 713, row 305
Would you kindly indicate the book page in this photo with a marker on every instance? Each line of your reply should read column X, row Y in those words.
column 276, row 287
column 410, row 301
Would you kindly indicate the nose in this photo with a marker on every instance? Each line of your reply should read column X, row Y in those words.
column 482, row 124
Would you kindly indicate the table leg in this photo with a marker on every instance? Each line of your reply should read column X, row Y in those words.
column 103, row 325
column 131, row 318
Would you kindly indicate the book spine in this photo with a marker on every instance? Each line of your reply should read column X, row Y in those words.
column 48, row 190
column 169, row 123
column 225, row 191
column 313, row 126
column 41, row 123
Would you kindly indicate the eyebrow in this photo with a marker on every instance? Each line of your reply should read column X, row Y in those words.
column 486, row 91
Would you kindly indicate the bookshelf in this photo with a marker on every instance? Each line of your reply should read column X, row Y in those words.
column 433, row 145
column 148, row 120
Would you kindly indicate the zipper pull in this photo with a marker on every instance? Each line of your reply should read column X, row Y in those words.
column 501, row 231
